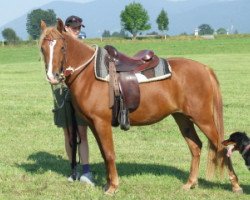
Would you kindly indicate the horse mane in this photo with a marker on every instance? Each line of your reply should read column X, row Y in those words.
column 77, row 47
column 77, row 43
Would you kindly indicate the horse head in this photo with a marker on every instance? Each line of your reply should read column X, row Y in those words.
column 53, row 50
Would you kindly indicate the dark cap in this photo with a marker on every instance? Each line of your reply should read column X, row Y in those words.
column 74, row 21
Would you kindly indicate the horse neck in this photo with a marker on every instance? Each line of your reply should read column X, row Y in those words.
column 77, row 52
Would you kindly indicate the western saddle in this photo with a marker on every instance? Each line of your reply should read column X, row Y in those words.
column 124, row 86
column 141, row 61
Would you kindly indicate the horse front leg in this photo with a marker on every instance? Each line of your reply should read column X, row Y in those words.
column 103, row 134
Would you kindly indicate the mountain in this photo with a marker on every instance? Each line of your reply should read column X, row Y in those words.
column 184, row 16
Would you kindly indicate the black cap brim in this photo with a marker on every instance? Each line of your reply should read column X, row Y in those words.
column 75, row 24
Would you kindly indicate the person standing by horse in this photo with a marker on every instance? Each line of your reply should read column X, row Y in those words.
column 64, row 112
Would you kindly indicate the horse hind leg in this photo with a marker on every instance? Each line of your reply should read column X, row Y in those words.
column 187, row 129
column 217, row 155
column 232, row 175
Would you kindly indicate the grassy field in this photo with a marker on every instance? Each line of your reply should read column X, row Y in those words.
column 153, row 161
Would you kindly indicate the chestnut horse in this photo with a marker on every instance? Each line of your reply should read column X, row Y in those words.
column 191, row 95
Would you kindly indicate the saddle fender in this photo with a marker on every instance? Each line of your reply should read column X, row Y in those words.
column 129, row 87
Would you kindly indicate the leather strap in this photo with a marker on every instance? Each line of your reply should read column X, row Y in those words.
column 113, row 84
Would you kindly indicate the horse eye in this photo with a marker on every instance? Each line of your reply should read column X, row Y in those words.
column 41, row 49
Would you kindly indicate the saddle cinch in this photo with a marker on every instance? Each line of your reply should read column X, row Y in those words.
column 124, row 86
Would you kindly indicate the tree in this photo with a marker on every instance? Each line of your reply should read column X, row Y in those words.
column 162, row 21
column 34, row 19
column 221, row 31
column 123, row 33
column 106, row 33
column 205, row 29
column 116, row 34
column 135, row 19
column 10, row 36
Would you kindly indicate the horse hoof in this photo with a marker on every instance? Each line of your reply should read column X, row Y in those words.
column 238, row 190
column 189, row 186
column 110, row 191
column 195, row 185
column 186, row 187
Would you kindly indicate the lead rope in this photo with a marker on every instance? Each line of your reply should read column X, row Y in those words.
column 60, row 92
column 73, row 141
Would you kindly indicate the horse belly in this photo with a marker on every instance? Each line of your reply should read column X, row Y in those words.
column 155, row 105
column 137, row 119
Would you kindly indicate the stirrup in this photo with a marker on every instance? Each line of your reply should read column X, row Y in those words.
column 124, row 120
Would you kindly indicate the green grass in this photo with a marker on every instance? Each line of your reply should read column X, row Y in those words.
column 152, row 161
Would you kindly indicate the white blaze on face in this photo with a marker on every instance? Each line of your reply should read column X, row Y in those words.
column 50, row 75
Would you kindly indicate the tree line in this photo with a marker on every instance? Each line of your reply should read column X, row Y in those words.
column 134, row 20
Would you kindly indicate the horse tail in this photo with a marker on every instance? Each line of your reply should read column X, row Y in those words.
column 216, row 155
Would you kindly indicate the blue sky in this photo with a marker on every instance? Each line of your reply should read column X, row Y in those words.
column 12, row 9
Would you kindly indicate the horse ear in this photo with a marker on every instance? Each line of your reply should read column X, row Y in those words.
column 43, row 25
column 60, row 25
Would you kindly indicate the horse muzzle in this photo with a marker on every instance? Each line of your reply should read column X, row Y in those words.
column 52, row 81
column 54, row 78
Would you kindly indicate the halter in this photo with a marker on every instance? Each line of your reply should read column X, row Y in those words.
column 51, row 40
column 69, row 70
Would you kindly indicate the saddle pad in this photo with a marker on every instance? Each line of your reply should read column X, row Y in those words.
column 160, row 72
